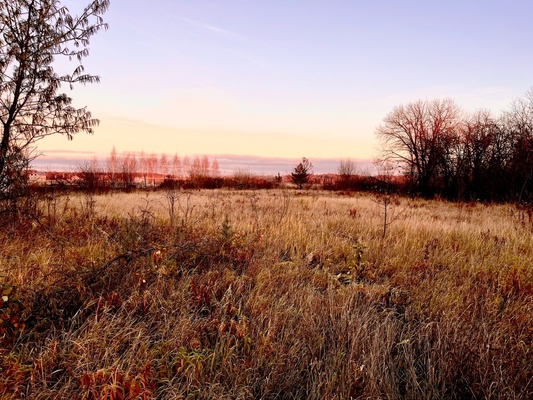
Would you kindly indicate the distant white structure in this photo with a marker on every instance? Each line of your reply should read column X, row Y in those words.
column 35, row 177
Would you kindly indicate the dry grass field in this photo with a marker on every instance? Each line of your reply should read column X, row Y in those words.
column 266, row 295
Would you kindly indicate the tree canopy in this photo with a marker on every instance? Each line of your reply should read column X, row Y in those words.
column 445, row 151
column 420, row 135
column 33, row 101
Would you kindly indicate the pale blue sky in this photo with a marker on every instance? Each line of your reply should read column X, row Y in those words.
column 293, row 78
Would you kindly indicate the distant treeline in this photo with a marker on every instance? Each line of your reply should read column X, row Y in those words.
column 428, row 148
column 101, row 181
column 125, row 171
column 444, row 151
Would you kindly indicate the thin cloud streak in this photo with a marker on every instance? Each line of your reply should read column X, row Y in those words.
column 225, row 32
column 205, row 26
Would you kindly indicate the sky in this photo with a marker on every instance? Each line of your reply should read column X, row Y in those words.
column 289, row 79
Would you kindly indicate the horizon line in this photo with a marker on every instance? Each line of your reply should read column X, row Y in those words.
column 64, row 160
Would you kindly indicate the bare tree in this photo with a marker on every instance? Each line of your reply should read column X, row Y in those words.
column 204, row 166
column 176, row 167
column 215, row 170
column 195, row 169
column 346, row 171
column 33, row 34
column 129, row 168
column 186, row 165
column 518, row 122
column 163, row 165
column 421, row 136
column 482, row 155
column 151, row 166
column 112, row 166
column 143, row 167
column 243, row 178
column 90, row 175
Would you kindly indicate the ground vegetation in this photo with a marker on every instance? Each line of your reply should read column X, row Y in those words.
column 267, row 295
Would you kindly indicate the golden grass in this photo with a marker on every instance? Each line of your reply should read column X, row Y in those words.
column 270, row 294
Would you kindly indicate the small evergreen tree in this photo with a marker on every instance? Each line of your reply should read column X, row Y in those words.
column 302, row 172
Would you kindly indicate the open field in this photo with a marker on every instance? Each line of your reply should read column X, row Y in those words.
column 268, row 294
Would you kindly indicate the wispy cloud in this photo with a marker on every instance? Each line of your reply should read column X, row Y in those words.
column 206, row 26
column 224, row 32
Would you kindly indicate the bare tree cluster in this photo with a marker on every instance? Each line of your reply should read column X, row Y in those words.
column 346, row 171
column 149, row 170
column 444, row 151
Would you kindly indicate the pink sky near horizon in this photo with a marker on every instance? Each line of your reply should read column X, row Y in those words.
column 64, row 160
column 289, row 79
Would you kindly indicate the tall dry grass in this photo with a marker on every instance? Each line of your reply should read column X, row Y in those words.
column 271, row 294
